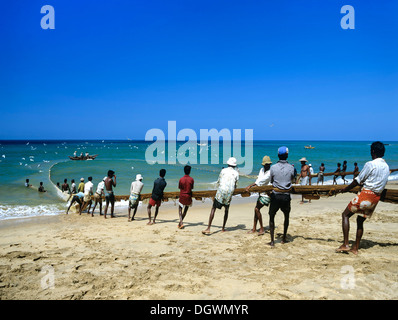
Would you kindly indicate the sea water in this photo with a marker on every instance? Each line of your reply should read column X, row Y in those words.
column 48, row 161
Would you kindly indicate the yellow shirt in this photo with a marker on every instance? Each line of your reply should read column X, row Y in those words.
column 80, row 188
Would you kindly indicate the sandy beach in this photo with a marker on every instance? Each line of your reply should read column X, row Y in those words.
column 93, row 258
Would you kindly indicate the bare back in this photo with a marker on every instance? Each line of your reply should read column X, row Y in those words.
column 109, row 183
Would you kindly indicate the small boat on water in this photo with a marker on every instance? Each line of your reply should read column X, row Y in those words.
column 309, row 147
column 89, row 157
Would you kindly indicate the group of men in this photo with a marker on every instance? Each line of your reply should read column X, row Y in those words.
column 281, row 175
column 373, row 179
column 83, row 194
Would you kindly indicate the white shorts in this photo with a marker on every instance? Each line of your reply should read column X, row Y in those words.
column 304, row 181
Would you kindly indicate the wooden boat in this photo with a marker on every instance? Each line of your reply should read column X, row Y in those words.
column 309, row 147
column 84, row 157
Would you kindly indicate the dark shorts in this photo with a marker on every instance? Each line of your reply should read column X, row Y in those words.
column 109, row 197
column 76, row 199
column 279, row 201
column 219, row 205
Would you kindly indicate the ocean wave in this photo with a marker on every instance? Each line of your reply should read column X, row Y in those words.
column 393, row 177
column 22, row 211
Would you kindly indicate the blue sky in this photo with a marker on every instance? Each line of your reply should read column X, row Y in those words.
column 114, row 70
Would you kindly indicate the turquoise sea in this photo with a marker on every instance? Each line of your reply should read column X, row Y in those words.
column 47, row 161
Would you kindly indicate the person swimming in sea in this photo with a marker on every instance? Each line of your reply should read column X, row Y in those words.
column 41, row 188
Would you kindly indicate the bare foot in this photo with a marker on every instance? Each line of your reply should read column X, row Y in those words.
column 206, row 232
column 354, row 251
column 251, row 231
column 149, row 223
column 343, row 248
column 261, row 232
column 272, row 244
column 181, row 226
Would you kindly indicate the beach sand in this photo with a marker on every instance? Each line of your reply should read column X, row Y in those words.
column 93, row 258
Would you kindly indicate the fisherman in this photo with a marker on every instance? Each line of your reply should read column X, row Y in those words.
column 373, row 177
column 185, row 199
column 344, row 169
column 356, row 170
column 73, row 186
column 135, row 191
column 80, row 188
column 157, row 195
column 281, row 174
column 98, row 196
column 88, row 192
column 76, row 198
column 304, row 174
column 227, row 182
column 311, row 173
column 41, row 188
column 109, row 195
column 65, row 186
column 338, row 170
column 320, row 173
column 263, row 199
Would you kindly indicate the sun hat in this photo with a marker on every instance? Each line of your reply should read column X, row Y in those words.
column 82, row 179
column 303, row 159
column 266, row 160
column 283, row 150
column 231, row 162
column 138, row 177
column 310, row 165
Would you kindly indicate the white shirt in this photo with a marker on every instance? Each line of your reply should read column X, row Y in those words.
column 100, row 187
column 88, row 188
column 374, row 175
column 227, row 181
column 263, row 179
column 136, row 187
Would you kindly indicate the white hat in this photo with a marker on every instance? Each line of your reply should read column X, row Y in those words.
column 81, row 179
column 310, row 165
column 303, row 159
column 104, row 178
column 138, row 177
column 231, row 162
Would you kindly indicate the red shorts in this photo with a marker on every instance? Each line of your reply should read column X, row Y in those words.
column 364, row 203
column 155, row 203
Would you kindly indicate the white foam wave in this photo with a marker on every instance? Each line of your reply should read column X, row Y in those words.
column 18, row 211
column 393, row 177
